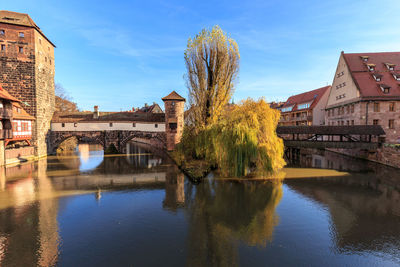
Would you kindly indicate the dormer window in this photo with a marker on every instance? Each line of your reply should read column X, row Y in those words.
column 377, row 77
column 365, row 58
column 304, row 105
column 385, row 88
column 21, row 35
column 371, row 67
column 396, row 76
column 390, row 66
column 2, row 32
column 286, row 109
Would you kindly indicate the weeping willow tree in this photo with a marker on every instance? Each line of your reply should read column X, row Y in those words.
column 212, row 64
column 243, row 141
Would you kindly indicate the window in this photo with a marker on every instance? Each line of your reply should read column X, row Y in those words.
column 352, row 108
column 50, row 61
column 156, row 125
column 390, row 66
column 75, row 124
column 371, row 67
column 173, row 126
column 385, row 88
column 21, row 49
column 377, row 77
column 352, row 122
column 391, row 106
column 396, row 76
column 286, row 109
column 2, row 32
column 375, row 122
column 376, row 107
column 21, row 34
column 3, row 47
column 304, row 105
column 63, row 125
column 1, row 104
column 340, row 74
column 133, row 124
column 45, row 59
column 347, row 109
column 391, row 124
column 172, row 103
column 111, row 124
column 347, row 123
column 365, row 58
column 40, row 40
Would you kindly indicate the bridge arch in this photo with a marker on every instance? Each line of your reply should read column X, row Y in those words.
column 58, row 138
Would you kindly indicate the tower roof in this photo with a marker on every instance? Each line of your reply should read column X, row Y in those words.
column 20, row 19
column 173, row 96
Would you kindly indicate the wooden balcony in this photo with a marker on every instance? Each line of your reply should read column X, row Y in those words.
column 6, row 134
column 5, row 113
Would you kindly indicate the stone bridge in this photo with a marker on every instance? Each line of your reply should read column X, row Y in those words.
column 118, row 138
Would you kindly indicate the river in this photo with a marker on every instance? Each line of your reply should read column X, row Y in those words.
column 87, row 209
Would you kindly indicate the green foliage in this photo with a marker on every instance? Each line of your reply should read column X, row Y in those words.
column 243, row 141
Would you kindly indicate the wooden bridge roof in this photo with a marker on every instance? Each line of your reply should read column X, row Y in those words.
column 332, row 130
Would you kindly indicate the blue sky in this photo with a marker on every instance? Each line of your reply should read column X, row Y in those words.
column 119, row 54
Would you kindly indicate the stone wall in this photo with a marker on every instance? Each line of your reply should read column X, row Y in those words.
column 387, row 155
column 29, row 76
column 19, row 152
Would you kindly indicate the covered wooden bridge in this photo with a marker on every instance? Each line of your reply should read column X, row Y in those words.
column 348, row 137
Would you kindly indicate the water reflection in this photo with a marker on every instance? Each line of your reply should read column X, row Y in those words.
column 140, row 204
column 223, row 213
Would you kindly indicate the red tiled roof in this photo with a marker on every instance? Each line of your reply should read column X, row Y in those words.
column 363, row 78
column 173, row 96
column 5, row 95
column 22, row 115
column 314, row 96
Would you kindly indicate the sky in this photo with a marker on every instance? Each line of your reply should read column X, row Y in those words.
column 121, row 54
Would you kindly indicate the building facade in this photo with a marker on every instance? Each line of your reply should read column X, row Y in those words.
column 366, row 91
column 27, row 71
column 305, row 109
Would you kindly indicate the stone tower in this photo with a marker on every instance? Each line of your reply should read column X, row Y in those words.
column 27, row 71
column 174, row 118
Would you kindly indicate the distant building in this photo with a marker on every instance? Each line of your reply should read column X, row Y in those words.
column 155, row 108
column 27, row 71
column 276, row 105
column 366, row 91
column 305, row 109
column 108, row 121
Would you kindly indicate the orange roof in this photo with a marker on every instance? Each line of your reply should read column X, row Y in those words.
column 22, row 114
column 5, row 95
column 21, row 19
column 363, row 77
column 311, row 97
column 173, row 96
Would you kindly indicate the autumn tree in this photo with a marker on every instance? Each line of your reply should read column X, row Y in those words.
column 63, row 102
column 212, row 64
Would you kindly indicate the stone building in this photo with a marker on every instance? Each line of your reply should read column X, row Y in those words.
column 366, row 91
column 305, row 109
column 27, row 71
column 174, row 118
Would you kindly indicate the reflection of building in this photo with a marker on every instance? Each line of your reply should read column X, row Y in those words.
column 174, row 189
column 29, row 233
column 305, row 109
column 364, row 208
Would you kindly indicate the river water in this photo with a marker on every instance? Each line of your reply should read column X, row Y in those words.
column 87, row 209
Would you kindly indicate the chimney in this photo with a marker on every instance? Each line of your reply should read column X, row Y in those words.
column 145, row 105
column 96, row 112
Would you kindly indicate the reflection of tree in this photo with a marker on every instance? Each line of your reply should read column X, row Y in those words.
column 222, row 213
